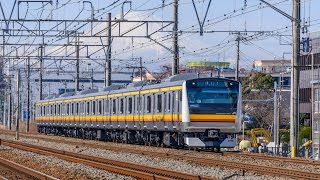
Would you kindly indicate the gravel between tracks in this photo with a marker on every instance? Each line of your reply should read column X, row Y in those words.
column 6, row 173
column 165, row 163
column 56, row 167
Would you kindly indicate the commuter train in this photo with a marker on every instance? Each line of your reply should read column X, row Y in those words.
column 183, row 110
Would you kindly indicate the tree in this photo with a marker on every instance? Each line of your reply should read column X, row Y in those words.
column 258, row 81
column 257, row 96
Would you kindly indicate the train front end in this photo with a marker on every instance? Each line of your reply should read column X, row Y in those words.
column 211, row 112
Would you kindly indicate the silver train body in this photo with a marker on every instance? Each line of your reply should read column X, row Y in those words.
column 183, row 110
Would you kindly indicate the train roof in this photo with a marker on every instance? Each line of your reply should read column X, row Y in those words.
column 136, row 86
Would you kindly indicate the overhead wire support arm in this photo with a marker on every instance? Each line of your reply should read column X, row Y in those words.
column 170, row 50
column 201, row 24
column 7, row 22
column 280, row 11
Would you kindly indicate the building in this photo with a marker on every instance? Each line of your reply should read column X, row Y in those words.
column 272, row 66
column 309, row 88
column 208, row 66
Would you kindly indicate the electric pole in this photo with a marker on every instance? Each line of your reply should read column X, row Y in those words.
column 175, row 63
column 108, row 59
column 28, row 95
column 10, row 104
column 140, row 60
column 77, row 84
column 18, row 105
column 41, row 73
column 238, row 57
column 294, row 103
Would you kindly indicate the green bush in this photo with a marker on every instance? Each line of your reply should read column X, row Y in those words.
column 285, row 137
column 304, row 133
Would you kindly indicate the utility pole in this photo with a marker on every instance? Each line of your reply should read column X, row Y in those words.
column 275, row 113
column 140, row 60
column 10, row 105
column 91, row 79
column 18, row 105
column 175, row 63
column 28, row 95
column 77, row 84
column 294, row 103
column 238, row 57
column 108, row 59
column 41, row 74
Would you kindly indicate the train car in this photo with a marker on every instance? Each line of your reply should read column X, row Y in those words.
column 183, row 110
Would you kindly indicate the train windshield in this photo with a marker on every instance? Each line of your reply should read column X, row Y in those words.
column 212, row 96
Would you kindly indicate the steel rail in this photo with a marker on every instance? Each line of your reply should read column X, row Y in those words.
column 207, row 161
column 274, row 158
column 119, row 167
column 25, row 170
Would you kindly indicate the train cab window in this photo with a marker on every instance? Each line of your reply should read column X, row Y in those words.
column 130, row 105
column 100, row 107
column 121, row 106
column 148, row 104
column 88, row 108
column 114, row 106
column 159, row 103
column 93, row 107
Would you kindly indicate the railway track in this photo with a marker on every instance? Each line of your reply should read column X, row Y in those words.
column 209, row 161
column 118, row 167
column 15, row 170
column 274, row 158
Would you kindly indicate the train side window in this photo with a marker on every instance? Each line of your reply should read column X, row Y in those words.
column 88, row 108
column 159, row 103
column 121, row 106
column 77, row 108
column 68, row 108
column 99, row 107
column 106, row 106
column 83, row 109
column 130, row 105
column 169, row 102
column 58, row 109
column 72, row 109
column 93, row 107
column 80, row 108
column 174, row 96
column 148, row 104
column 114, row 106
column 139, row 104
column 61, row 110
column 44, row 110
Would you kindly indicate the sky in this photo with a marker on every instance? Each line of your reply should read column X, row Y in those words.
column 223, row 15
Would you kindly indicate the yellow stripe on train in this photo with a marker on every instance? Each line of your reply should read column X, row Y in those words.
column 149, row 118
